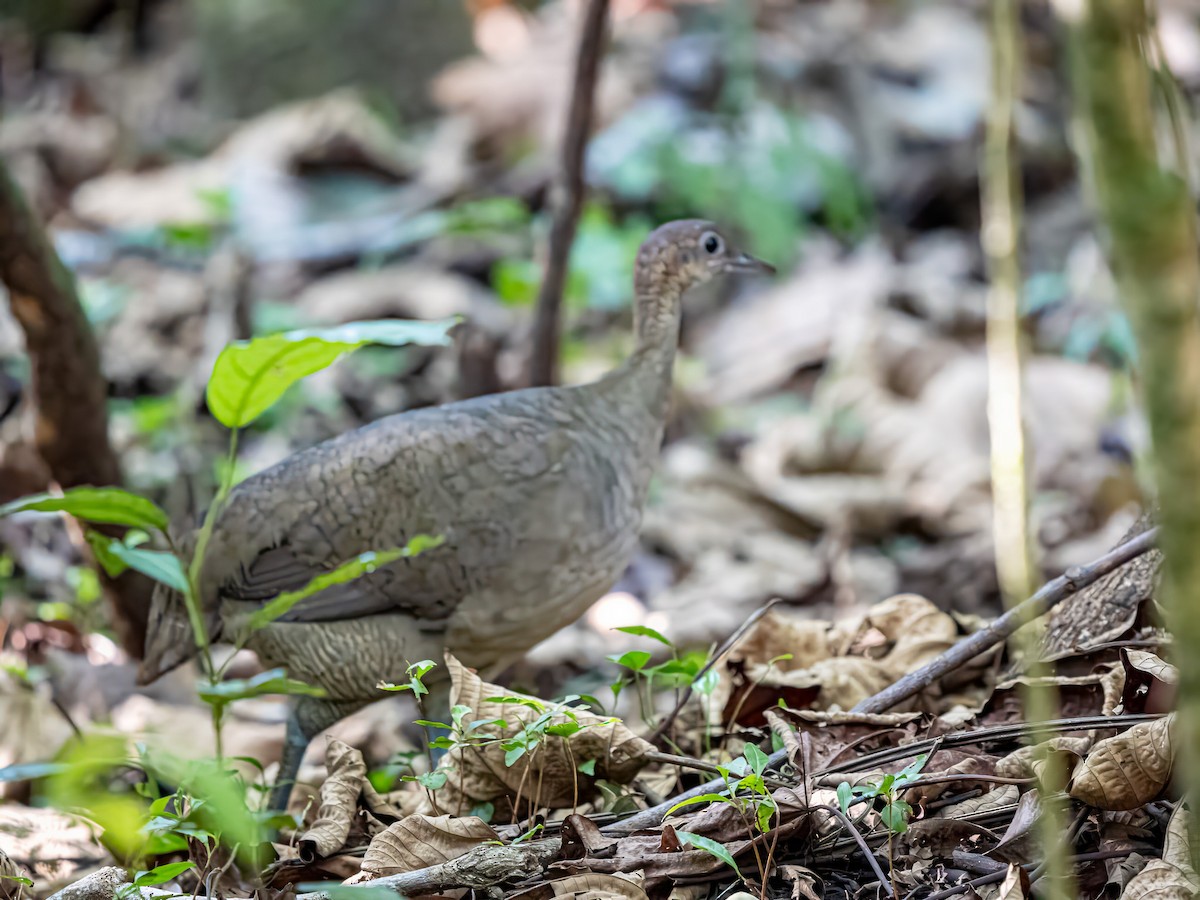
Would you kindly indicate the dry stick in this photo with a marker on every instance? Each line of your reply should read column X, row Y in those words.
column 567, row 198
column 858, row 839
column 1052, row 593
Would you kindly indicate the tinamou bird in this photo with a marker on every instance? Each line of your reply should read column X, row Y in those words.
column 537, row 494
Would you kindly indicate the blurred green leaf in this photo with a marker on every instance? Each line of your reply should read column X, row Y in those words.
column 363, row 564
column 644, row 631
column 634, row 660
column 106, row 505
column 273, row 681
column 249, row 376
column 161, row 565
column 161, row 874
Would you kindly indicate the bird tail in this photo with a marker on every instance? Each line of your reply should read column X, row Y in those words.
column 170, row 641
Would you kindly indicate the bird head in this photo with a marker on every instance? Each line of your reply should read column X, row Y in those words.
column 687, row 252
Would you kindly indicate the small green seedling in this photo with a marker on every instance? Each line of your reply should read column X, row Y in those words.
column 893, row 812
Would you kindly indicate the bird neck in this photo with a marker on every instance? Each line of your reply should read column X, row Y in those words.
column 656, row 319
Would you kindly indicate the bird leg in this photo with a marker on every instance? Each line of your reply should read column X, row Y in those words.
column 307, row 717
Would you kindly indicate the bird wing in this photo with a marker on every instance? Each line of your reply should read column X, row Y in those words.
column 472, row 473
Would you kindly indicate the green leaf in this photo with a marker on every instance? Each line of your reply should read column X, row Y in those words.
column 845, row 796
column 709, row 846
column 30, row 770
column 634, row 660
column 703, row 798
column 764, row 813
column 432, row 780
column 112, row 564
column 706, row 683
column 564, row 729
column 756, row 758
column 19, row 879
column 273, row 681
column 912, row 771
column 107, row 505
column 249, row 376
column 643, row 631
column 895, row 816
column 161, row 565
column 587, row 767
column 161, row 874
column 363, row 564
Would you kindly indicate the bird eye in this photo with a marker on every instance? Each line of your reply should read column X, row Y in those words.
column 711, row 243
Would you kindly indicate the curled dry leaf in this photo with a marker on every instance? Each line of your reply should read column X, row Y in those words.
column 416, row 842
column 1028, row 762
column 339, row 800
column 1004, row 797
column 824, row 666
column 1177, row 846
column 806, row 884
column 1127, row 770
column 547, row 773
column 1150, row 683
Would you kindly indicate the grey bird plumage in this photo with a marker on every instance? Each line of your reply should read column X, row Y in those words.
column 538, row 494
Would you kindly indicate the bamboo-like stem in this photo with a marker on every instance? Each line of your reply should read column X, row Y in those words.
column 1000, row 235
column 1150, row 220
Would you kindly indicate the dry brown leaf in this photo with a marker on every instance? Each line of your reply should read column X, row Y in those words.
column 1159, row 881
column 587, row 886
column 806, row 884
column 829, row 666
column 1150, row 683
column 1015, row 885
column 548, row 774
column 339, row 802
column 419, row 841
column 1127, row 770
column 1004, row 797
column 1177, row 846
column 1023, row 762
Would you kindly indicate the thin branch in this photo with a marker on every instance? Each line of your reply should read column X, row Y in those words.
column 858, row 839
column 567, row 198
column 1052, row 593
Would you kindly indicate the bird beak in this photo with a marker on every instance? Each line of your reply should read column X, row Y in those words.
column 744, row 262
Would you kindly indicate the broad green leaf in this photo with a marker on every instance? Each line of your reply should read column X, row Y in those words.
column 706, row 683
column 845, row 796
column 107, row 505
column 703, row 798
column 587, row 767
column 633, row 659
column 643, row 631
column 912, row 771
column 895, row 815
column 756, row 758
column 161, row 874
column 709, row 846
column 19, row 879
column 249, row 376
column 273, row 681
column 363, row 564
column 161, row 565
column 564, row 729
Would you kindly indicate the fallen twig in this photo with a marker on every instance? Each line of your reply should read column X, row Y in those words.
column 1051, row 594
column 566, row 199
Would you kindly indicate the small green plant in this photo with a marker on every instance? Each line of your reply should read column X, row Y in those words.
column 894, row 812
column 747, row 791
